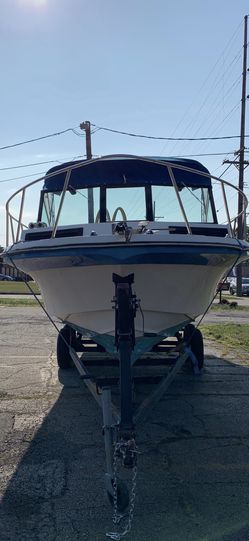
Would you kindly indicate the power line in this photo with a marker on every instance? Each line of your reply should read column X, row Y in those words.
column 206, row 154
column 83, row 134
column 226, row 117
column 223, row 173
column 204, row 84
column 83, row 155
column 94, row 131
column 27, row 165
column 212, row 114
column 38, row 138
column 219, row 80
column 42, row 173
column 95, row 155
column 214, row 86
column 40, row 163
column 210, row 126
column 78, row 134
column 215, row 105
column 120, row 132
column 129, row 134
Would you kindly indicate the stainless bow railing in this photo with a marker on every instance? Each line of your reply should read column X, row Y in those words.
column 15, row 224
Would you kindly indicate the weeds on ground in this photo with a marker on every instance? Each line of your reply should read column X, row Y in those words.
column 231, row 335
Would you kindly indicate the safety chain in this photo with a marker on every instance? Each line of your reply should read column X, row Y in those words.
column 120, row 451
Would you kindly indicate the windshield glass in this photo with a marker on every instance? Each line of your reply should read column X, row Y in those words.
column 196, row 202
column 74, row 209
column 125, row 204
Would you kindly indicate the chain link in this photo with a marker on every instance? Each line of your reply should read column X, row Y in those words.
column 120, row 450
column 116, row 518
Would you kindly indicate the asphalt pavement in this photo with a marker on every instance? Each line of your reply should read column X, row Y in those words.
column 193, row 482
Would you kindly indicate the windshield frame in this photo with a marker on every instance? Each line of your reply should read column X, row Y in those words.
column 148, row 201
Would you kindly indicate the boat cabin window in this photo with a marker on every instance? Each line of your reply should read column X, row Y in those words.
column 129, row 204
column 74, row 209
column 196, row 202
column 125, row 204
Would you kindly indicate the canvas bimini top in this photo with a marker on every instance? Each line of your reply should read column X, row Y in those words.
column 127, row 171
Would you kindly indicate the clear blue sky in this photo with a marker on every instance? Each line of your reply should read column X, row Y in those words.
column 153, row 67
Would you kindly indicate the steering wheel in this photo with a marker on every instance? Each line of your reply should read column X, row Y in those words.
column 121, row 210
column 108, row 217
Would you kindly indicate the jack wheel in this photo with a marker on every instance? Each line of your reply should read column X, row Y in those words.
column 193, row 337
column 63, row 356
column 122, row 496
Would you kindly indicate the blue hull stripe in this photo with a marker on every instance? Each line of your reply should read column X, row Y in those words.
column 132, row 255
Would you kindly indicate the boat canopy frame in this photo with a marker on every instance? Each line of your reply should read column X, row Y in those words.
column 15, row 225
column 128, row 171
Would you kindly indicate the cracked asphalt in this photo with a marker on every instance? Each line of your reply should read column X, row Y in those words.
column 193, row 470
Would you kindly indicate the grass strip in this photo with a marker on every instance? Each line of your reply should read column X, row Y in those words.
column 231, row 335
column 231, row 297
column 18, row 302
column 15, row 288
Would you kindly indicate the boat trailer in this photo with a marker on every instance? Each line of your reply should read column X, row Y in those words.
column 120, row 417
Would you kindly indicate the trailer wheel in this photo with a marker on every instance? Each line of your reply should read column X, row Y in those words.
column 123, row 499
column 63, row 356
column 194, row 339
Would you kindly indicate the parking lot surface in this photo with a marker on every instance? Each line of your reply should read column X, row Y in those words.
column 193, row 470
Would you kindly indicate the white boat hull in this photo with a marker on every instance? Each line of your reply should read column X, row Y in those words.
column 169, row 294
column 175, row 278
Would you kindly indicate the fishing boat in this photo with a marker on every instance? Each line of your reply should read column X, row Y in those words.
column 154, row 218
column 127, row 251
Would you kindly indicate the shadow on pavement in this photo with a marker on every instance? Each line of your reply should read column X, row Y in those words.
column 193, row 482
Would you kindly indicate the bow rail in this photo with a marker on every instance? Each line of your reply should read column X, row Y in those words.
column 15, row 223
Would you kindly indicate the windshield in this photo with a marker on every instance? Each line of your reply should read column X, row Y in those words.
column 127, row 203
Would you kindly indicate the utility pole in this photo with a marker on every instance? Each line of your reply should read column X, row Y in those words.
column 87, row 127
column 241, row 218
column 241, row 227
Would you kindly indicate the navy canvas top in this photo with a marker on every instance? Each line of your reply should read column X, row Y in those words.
column 127, row 171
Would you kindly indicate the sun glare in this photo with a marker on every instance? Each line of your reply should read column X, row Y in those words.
column 34, row 3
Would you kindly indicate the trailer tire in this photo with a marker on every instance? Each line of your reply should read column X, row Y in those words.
column 123, row 499
column 63, row 356
column 194, row 339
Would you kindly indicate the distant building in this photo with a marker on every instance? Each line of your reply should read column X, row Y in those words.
column 11, row 271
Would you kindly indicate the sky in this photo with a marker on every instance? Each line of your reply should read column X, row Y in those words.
column 161, row 68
